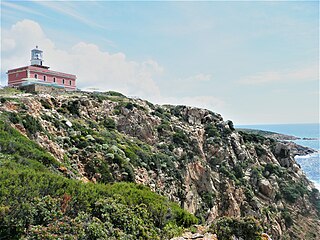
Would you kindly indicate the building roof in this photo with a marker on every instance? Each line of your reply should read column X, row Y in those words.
column 43, row 69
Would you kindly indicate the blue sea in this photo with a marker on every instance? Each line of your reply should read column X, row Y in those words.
column 310, row 164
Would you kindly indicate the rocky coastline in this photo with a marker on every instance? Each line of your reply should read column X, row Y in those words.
column 190, row 155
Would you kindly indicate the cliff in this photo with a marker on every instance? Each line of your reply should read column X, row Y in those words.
column 190, row 155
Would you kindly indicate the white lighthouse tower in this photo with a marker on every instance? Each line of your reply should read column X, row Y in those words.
column 36, row 57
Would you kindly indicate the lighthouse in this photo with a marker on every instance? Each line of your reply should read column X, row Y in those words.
column 39, row 74
column 36, row 57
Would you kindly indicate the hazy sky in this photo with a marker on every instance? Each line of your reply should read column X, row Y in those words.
column 253, row 62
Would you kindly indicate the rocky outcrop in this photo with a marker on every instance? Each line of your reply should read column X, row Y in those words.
column 188, row 154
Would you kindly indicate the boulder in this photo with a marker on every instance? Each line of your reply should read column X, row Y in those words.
column 265, row 188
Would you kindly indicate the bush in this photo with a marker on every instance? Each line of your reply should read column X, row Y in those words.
column 74, row 107
column 260, row 150
column 292, row 191
column 21, row 148
column 272, row 169
column 227, row 228
column 109, row 123
column 211, row 131
column 116, row 94
column 180, row 138
column 287, row 218
column 251, row 137
column 52, row 204
column 14, row 118
column 31, row 124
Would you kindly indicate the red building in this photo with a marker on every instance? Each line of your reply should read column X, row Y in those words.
column 37, row 73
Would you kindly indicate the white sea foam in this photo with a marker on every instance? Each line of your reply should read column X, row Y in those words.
column 308, row 155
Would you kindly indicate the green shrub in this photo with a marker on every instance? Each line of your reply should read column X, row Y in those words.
column 116, row 94
column 74, row 107
column 109, row 123
column 292, row 191
column 129, row 106
column 260, row 150
column 273, row 169
column 21, row 148
column 39, row 200
column 163, row 127
column 227, row 228
column 251, row 137
column 45, row 104
column 97, row 165
column 31, row 124
column 208, row 198
column 211, row 131
column 287, row 218
column 238, row 172
column 14, row 118
column 180, row 138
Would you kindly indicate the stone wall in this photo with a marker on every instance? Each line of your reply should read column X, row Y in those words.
column 39, row 88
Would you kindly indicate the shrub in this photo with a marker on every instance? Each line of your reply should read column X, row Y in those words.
column 251, row 137
column 74, row 107
column 129, row 106
column 21, row 148
column 259, row 150
column 180, row 138
column 292, row 191
column 109, row 123
column 238, row 172
column 164, row 126
column 208, row 198
column 227, row 228
column 211, row 131
column 97, row 165
column 272, row 169
column 14, row 118
column 116, row 94
column 37, row 201
column 45, row 104
column 31, row 124
column 287, row 218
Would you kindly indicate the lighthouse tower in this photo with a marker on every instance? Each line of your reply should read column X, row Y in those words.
column 36, row 57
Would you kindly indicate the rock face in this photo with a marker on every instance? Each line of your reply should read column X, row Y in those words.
column 188, row 154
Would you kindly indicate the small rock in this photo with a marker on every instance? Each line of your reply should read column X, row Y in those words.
column 68, row 123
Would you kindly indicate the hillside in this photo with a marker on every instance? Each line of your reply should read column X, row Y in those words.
column 72, row 146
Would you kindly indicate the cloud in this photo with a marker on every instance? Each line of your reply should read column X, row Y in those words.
column 93, row 67
column 68, row 9
column 20, row 8
column 308, row 73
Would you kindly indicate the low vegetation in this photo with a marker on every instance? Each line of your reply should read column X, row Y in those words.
column 37, row 202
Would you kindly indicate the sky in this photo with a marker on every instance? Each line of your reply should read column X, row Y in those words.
column 252, row 62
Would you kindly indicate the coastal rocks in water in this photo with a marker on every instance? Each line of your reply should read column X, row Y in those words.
column 296, row 149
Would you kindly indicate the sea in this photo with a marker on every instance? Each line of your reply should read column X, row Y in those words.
column 310, row 164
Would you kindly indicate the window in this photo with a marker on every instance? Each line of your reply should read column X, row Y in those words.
column 35, row 75
column 44, row 78
column 70, row 82
column 54, row 79
column 62, row 81
column 17, row 74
